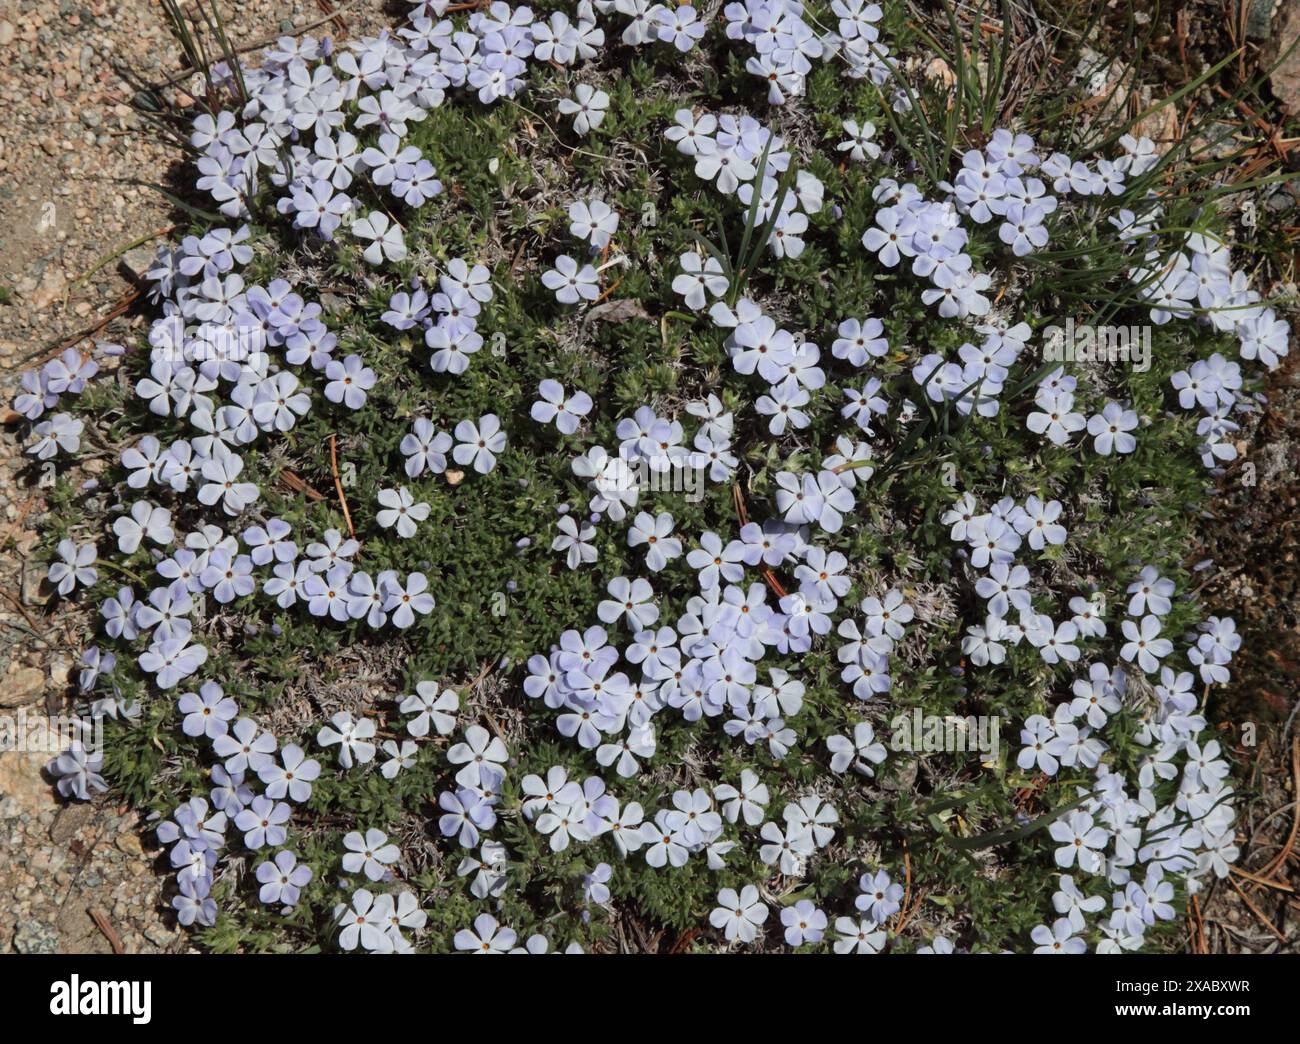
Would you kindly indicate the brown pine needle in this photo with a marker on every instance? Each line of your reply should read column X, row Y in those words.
column 122, row 306
column 613, row 286
column 743, row 514
column 299, row 486
column 1197, row 927
column 1256, row 910
column 907, row 886
column 1281, row 858
column 338, row 485
column 910, row 913
column 102, row 923
column 1266, row 882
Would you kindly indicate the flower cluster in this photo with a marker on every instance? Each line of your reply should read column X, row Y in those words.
column 713, row 628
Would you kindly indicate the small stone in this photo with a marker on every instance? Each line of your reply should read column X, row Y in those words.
column 51, row 286
column 33, row 581
column 1284, row 76
column 6, row 33
column 127, row 843
column 135, row 262
column 60, row 672
column 1161, row 127
column 1279, row 202
column 22, row 685
column 34, row 937
column 158, row 935
column 1259, row 19
column 91, row 118
column 22, row 785
column 70, row 821
column 903, row 779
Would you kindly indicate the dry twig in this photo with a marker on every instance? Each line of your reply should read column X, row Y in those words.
column 109, row 933
column 338, row 485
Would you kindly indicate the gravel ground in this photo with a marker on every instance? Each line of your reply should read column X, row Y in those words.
column 1250, row 536
column 77, row 170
